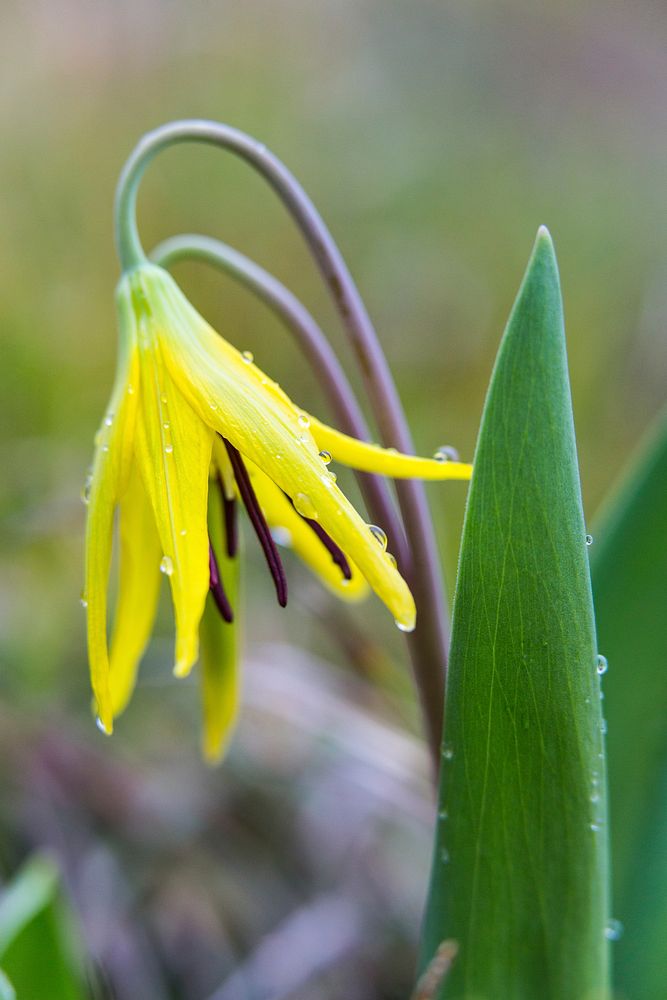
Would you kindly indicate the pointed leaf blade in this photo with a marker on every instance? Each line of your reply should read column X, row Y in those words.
column 519, row 869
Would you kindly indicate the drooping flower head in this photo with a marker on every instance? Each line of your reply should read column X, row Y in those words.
column 194, row 426
column 188, row 412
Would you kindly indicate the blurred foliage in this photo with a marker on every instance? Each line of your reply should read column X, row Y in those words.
column 434, row 138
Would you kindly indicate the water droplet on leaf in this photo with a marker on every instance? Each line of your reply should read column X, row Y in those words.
column 602, row 665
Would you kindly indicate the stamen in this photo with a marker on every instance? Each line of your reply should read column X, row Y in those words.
column 334, row 551
column 258, row 522
column 230, row 520
column 217, row 589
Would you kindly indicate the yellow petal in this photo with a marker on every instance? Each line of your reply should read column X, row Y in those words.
column 111, row 465
column 138, row 590
column 280, row 513
column 173, row 448
column 386, row 461
column 219, row 649
column 238, row 401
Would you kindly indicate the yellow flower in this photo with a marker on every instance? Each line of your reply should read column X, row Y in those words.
column 189, row 411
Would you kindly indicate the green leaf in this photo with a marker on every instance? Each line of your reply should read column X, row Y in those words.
column 35, row 937
column 519, row 877
column 7, row 991
column 629, row 568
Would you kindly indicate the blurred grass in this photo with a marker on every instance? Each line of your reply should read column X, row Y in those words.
column 434, row 139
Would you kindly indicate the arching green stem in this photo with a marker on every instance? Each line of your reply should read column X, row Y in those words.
column 429, row 645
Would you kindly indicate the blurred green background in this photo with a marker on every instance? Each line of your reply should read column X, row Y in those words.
column 435, row 138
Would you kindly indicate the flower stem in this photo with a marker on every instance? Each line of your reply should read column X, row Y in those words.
column 429, row 642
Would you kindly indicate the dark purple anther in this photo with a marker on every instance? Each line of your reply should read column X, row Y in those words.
column 230, row 520
column 258, row 522
column 334, row 551
column 217, row 589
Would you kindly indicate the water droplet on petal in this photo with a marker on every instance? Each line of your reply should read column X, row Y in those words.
column 446, row 453
column 589, row 539
column 166, row 566
column 282, row 536
column 166, row 425
column 85, row 489
column 379, row 535
column 305, row 506
column 278, row 457
column 248, row 357
column 100, row 725
column 163, row 398
column 130, row 389
column 614, row 930
column 602, row 665
column 304, row 420
column 392, row 559
column 108, row 420
column 213, row 405
column 326, row 457
column 403, row 627
column 329, row 477
column 83, row 600
column 169, row 448
column 183, row 532
column 105, row 448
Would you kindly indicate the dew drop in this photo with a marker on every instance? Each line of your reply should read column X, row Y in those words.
column 85, row 489
column 166, row 425
column 326, row 457
column 169, row 448
column 108, row 420
column 448, row 752
column 379, row 535
column 392, row 559
column 163, row 398
column 282, row 536
column 589, row 539
column 403, row 627
column 100, row 725
column 330, row 477
column 446, row 453
column 83, row 600
column 443, row 815
column 248, row 357
column 304, row 420
column 183, row 532
column 305, row 506
column 166, row 566
column 603, row 727
column 105, row 448
column 614, row 930
column 602, row 665
column 278, row 457
column 213, row 405
column 595, row 827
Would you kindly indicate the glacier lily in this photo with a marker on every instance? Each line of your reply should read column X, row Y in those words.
column 186, row 405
